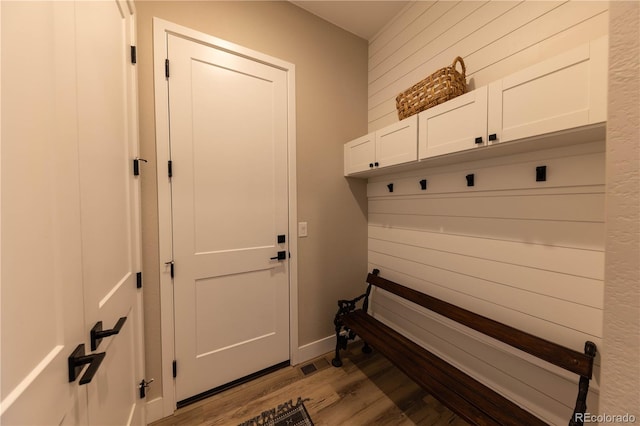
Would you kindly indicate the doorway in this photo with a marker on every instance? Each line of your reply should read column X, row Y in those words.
column 225, row 120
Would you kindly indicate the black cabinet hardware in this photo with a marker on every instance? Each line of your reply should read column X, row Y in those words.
column 78, row 359
column 423, row 184
column 479, row 140
column 541, row 173
column 493, row 137
column 371, row 165
column 376, row 164
column 97, row 333
column 390, row 187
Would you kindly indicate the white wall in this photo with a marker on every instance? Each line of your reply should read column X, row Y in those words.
column 494, row 38
column 526, row 253
column 621, row 350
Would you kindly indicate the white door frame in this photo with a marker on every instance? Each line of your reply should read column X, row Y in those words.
column 161, row 29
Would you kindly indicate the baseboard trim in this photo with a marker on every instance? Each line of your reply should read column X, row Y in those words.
column 154, row 410
column 316, row 349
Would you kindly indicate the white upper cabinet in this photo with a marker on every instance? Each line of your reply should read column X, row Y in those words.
column 564, row 92
column 396, row 144
column 390, row 146
column 561, row 100
column 360, row 154
column 455, row 125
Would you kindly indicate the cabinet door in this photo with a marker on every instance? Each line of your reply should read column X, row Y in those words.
column 397, row 143
column 563, row 92
column 454, row 125
column 359, row 154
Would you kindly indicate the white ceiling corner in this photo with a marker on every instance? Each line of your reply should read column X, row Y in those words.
column 363, row 18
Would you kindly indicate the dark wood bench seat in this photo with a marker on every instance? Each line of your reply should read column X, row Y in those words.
column 462, row 394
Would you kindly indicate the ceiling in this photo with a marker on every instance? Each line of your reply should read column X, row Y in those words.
column 362, row 18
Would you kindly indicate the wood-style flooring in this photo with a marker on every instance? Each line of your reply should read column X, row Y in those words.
column 366, row 390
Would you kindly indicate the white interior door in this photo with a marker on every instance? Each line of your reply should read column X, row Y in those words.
column 109, row 204
column 69, row 212
column 228, row 133
column 42, row 309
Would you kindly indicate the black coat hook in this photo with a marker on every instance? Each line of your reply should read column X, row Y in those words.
column 470, row 179
column 423, row 184
column 390, row 186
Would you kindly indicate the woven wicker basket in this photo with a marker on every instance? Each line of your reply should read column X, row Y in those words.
column 439, row 87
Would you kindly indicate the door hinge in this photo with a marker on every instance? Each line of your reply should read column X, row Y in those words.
column 175, row 368
column 166, row 68
column 136, row 165
column 170, row 168
column 139, row 280
column 170, row 263
column 134, row 56
column 143, row 385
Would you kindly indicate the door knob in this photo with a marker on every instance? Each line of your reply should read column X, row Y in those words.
column 282, row 255
column 78, row 359
column 97, row 333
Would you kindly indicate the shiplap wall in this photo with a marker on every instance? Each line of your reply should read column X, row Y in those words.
column 527, row 253
column 495, row 38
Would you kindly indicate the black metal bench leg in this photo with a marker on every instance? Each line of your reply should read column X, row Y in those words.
column 336, row 361
column 366, row 348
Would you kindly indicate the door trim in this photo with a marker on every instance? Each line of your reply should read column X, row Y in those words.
column 161, row 29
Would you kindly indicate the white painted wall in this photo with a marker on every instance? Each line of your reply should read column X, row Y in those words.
column 621, row 350
column 527, row 253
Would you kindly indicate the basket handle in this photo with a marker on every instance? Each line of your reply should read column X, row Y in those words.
column 464, row 69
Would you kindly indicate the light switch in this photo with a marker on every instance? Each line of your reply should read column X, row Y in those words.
column 302, row 229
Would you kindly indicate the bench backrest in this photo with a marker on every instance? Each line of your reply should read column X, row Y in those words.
column 561, row 356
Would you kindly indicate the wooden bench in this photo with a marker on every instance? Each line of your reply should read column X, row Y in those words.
column 465, row 396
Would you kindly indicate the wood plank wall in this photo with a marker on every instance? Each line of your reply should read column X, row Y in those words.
column 495, row 38
column 527, row 253
column 530, row 254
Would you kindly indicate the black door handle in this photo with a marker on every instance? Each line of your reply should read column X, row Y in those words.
column 282, row 255
column 78, row 359
column 97, row 333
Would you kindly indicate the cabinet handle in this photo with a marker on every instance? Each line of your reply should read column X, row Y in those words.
column 479, row 140
column 371, row 165
column 78, row 359
column 97, row 333
column 376, row 164
column 493, row 137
